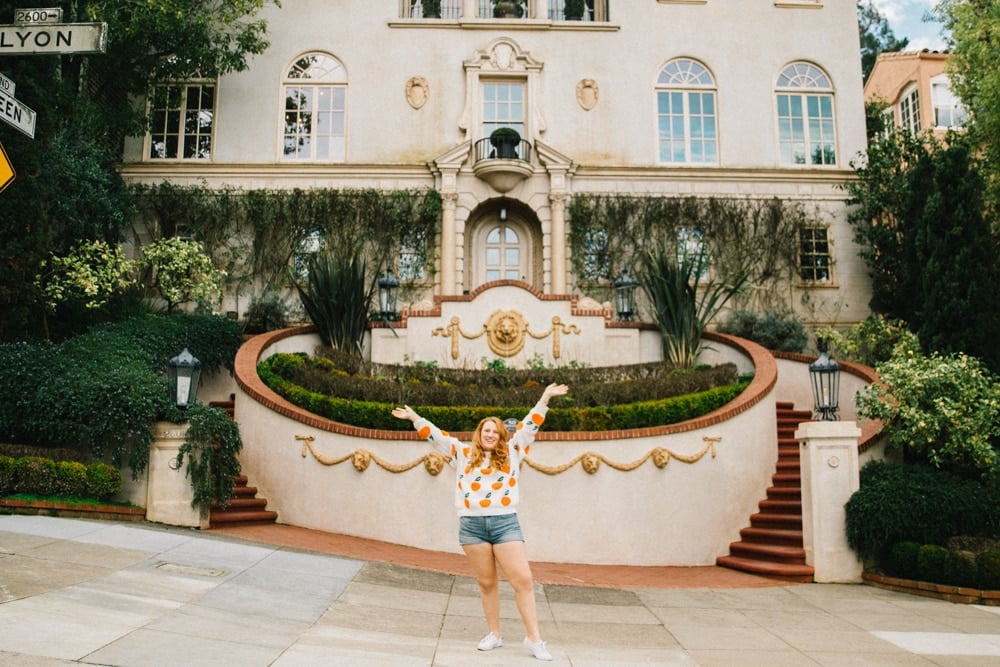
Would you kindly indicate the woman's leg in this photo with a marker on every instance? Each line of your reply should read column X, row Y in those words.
column 514, row 560
column 484, row 566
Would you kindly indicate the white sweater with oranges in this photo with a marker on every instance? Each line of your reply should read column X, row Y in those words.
column 486, row 491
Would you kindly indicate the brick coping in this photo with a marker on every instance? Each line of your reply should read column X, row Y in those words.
column 958, row 594
column 69, row 510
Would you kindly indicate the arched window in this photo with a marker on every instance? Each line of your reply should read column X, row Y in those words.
column 806, row 127
column 504, row 254
column 315, row 92
column 687, row 128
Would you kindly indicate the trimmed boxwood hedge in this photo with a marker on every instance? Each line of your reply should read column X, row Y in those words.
column 451, row 410
column 36, row 475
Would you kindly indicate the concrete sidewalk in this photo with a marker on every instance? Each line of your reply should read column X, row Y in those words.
column 76, row 591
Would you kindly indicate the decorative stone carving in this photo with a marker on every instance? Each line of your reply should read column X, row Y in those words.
column 587, row 93
column 417, row 91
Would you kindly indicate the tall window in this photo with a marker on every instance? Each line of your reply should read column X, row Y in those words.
column 814, row 254
column 948, row 110
column 909, row 110
column 503, row 106
column 504, row 258
column 806, row 129
column 315, row 91
column 685, row 113
column 182, row 117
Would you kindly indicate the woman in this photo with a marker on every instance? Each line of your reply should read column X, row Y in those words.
column 487, row 497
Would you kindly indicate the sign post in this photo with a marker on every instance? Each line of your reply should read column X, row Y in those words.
column 6, row 169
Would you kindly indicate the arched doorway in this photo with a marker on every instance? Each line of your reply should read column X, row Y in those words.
column 504, row 243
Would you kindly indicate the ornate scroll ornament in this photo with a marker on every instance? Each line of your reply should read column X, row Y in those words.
column 417, row 91
column 434, row 461
column 587, row 93
column 506, row 332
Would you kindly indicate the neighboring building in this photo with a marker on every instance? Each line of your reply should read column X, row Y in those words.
column 917, row 90
column 653, row 97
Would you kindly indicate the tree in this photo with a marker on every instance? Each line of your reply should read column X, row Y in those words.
column 67, row 189
column 927, row 244
column 974, row 42
column 876, row 36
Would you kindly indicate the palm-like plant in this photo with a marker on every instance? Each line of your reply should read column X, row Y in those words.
column 337, row 297
column 682, row 308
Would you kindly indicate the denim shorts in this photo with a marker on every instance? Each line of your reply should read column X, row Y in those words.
column 489, row 529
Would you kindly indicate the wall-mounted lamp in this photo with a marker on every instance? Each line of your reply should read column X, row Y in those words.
column 503, row 214
column 388, row 293
column 625, row 297
column 825, row 376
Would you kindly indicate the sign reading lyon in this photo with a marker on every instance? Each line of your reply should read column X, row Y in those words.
column 54, row 38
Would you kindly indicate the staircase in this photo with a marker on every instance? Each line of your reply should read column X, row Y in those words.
column 245, row 507
column 772, row 545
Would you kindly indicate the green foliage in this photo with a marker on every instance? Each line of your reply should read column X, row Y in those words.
column 916, row 503
column 40, row 476
column 972, row 27
column 872, row 340
column 99, row 392
column 573, row 9
column 266, row 313
column 962, row 569
column 758, row 239
column 681, row 308
column 786, row 333
column 211, row 448
column 988, row 564
column 182, row 271
column 337, row 296
column 933, row 563
column 942, row 410
column 919, row 220
column 91, row 273
column 902, row 560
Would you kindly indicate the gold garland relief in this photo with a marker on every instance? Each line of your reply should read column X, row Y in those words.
column 434, row 462
column 506, row 332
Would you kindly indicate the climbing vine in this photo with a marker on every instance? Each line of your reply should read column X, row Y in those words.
column 757, row 238
column 255, row 235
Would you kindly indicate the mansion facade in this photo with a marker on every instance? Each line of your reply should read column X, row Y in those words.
column 757, row 99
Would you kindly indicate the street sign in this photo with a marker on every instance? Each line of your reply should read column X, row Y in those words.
column 53, row 15
column 17, row 114
column 53, row 38
column 6, row 85
column 6, row 169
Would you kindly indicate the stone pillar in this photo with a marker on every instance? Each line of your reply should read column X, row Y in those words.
column 170, row 494
column 828, row 453
column 449, row 201
column 558, row 240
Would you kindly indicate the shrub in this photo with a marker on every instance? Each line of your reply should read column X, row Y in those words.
column 942, row 410
column 962, row 569
column 6, row 475
column 33, row 474
column 871, row 341
column 266, row 313
column 909, row 502
column 71, row 479
column 902, row 560
column 773, row 331
column 103, row 480
column 933, row 563
column 988, row 563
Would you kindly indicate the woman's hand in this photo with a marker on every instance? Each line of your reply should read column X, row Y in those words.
column 553, row 390
column 405, row 412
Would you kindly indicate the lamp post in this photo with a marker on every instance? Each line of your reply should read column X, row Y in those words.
column 625, row 297
column 825, row 376
column 388, row 292
column 184, row 374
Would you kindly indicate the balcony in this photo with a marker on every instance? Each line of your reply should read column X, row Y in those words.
column 502, row 164
column 552, row 10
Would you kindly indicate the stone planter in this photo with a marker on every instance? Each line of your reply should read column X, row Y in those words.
column 169, row 493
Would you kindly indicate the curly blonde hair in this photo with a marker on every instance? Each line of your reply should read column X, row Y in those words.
column 500, row 456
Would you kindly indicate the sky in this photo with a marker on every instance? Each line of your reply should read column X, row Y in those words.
column 905, row 19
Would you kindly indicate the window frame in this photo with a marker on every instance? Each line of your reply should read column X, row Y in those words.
column 690, row 78
column 182, row 113
column 330, row 79
column 909, row 109
column 811, row 260
column 805, row 85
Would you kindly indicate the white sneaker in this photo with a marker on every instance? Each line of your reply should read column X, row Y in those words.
column 538, row 649
column 490, row 642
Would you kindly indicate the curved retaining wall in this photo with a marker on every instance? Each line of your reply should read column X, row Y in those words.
column 670, row 495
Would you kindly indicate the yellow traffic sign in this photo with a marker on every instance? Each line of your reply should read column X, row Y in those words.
column 6, row 169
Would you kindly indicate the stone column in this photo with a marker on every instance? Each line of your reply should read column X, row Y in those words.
column 828, row 453
column 169, row 494
column 449, row 201
column 558, row 240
